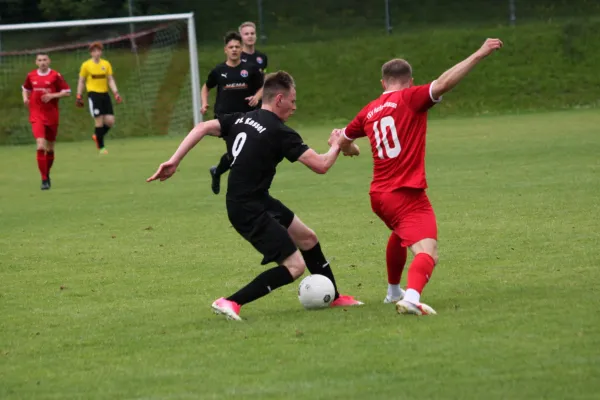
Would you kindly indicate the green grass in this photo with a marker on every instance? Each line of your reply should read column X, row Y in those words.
column 139, row 264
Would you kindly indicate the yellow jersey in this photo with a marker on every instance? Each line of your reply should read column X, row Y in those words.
column 96, row 75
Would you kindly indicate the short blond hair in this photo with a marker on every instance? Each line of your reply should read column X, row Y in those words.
column 396, row 70
column 246, row 24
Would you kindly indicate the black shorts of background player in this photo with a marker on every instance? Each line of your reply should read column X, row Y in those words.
column 259, row 141
column 239, row 89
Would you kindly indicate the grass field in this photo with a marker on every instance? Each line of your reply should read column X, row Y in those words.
column 107, row 280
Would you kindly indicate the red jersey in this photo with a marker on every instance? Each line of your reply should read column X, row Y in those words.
column 396, row 124
column 39, row 84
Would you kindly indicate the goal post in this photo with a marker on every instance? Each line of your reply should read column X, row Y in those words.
column 153, row 74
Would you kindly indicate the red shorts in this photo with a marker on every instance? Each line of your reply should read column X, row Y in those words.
column 41, row 131
column 408, row 213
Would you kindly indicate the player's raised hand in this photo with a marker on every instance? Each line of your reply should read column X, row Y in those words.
column 489, row 46
column 79, row 101
column 118, row 98
column 164, row 172
column 204, row 108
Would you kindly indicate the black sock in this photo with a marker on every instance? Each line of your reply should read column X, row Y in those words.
column 106, row 129
column 99, row 131
column 224, row 165
column 317, row 264
column 262, row 285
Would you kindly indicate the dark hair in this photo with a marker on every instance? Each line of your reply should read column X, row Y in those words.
column 96, row 45
column 42, row 53
column 232, row 35
column 396, row 70
column 275, row 83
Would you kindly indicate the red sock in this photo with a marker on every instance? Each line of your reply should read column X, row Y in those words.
column 420, row 271
column 395, row 257
column 49, row 160
column 42, row 164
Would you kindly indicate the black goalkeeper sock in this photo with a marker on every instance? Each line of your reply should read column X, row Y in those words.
column 106, row 129
column 262, row 285
column 224, row 165
column 317, row 264
column 99, row 132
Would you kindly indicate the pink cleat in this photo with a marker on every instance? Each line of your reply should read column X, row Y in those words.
column 346, row 301
column 228, row 308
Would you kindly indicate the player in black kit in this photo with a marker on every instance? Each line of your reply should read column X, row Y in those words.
column 258, row 141
column 239, row 89
column 249, row 53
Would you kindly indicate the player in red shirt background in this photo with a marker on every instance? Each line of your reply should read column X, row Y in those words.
column 396, row 125
column 41, row 91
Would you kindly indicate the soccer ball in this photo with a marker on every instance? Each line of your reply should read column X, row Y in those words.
column 316, row 291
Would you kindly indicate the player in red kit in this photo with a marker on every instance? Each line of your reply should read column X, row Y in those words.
column 41, row 91
column 396, row 125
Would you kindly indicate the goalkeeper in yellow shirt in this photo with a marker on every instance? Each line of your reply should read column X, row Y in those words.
column 96, row 75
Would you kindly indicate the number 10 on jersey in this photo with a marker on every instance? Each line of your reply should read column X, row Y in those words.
column 388, row 128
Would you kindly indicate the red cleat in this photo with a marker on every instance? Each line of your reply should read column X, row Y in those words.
column 346, row 301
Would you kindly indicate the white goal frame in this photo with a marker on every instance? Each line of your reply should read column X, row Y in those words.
column 188, row 17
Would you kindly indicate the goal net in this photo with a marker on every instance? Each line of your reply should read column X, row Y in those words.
column 151, row 66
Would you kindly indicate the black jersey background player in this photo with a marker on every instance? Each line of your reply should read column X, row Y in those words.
column 239, row 89
column 249, row 53
column 258, row 141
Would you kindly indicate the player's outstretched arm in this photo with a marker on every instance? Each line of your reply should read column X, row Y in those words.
column 320, row 163
column 167, row 169
column 449, row 79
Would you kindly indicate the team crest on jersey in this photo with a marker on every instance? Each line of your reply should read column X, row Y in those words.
column 259, row 60
column 103, row 68
column 244, row 73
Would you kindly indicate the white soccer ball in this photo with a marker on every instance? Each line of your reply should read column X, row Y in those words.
column 316, row 291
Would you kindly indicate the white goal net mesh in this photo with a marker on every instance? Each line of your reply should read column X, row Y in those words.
column 150, row 63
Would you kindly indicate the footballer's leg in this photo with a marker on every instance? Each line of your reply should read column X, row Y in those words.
column 51, row 132
column 108, row 121
column 308, row 243
column 418, row 229
column 395, row 257
column 216, row 172
column 39, row 133
column 273, row 242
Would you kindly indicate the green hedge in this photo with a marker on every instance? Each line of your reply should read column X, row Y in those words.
column 542, row 67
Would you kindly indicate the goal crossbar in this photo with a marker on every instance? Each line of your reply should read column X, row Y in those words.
column 191, row 27
column 91, row 22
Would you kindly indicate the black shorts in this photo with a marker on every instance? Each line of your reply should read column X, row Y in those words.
column 264, row 224
column 100, row 104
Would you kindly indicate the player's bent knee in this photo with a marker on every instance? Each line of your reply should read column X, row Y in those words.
column 427, row 246
column 40, row 144
column 295, row 264
column 304, row 237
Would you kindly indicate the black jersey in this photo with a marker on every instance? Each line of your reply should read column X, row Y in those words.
column 234, row 85
column 257, row 58
column 257, row 141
